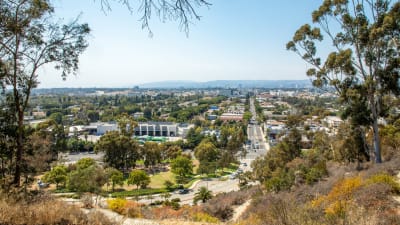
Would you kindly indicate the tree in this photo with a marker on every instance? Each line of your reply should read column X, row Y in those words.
column 364, row 65
column 29, row 39
column 194, row 137
column 139, row 178
column 203, row 195
column 114, row 176
column 56, row 176
column 206, row 151
column 121, row 151
column 90, row 179
column 147, row 113
column 85, row 163
column 168, row 184
column 151, row 152
column 182, row 166
column 208, row 155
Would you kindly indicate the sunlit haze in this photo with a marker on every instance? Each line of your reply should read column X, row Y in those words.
column 234, row 40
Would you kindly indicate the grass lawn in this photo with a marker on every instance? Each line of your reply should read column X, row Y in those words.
column 157, row 180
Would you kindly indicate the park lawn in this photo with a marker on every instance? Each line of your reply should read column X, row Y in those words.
column 158, row 180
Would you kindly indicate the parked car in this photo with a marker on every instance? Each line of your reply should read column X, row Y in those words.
column 183, row 191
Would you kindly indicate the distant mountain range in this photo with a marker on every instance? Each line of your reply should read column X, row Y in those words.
column 230, row 84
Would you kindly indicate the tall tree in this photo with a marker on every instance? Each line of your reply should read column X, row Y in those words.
column 365, row 60
column 29, row 39
column 121, row 150
column 151, row 153
column 139, row 178
column 182, row 166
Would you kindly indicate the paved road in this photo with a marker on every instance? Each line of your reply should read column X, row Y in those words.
column 73, row 158
column 215, row 185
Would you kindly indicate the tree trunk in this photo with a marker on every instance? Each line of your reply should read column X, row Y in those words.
column 20, row 146
column 377, row 142
column 375, row 128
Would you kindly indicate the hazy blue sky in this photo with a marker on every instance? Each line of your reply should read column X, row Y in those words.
column 235, row 39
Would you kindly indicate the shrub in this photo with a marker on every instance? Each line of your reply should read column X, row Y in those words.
column 87, row 200
column 174, row 204
column 385, row 179
column 280, row 181
column 133, row 209
column 204, row 217
column 221, row 210
column 138, row 192
column 336, row 202
column 117, row 205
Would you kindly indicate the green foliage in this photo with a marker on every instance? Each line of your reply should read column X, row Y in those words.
column 38, row 40
column 89, row 179
column 139, row 178
column 350, row 145
column 138, row 192
column 173, row 203
column 114, row 176
column 120, row 151
column 385, row 179
column 280, row 180
column 151, row 152
column 85, row 163
column 364, row 67
column 182, row 166
column 205, row 218
column 194, row 137
column 206, row 151
column 168, row 185
column 56, row 176
column 203, row 195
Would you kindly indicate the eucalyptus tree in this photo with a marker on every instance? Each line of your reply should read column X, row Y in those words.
column 364, row 66
column 30, row 38
column 183, row 11
column 120, row 150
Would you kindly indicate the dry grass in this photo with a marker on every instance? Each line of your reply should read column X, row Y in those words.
column 47, row 212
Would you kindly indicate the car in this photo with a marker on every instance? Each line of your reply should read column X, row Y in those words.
column 244, row 164
column 183, row 191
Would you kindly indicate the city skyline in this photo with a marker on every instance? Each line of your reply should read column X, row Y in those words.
column 232, row 41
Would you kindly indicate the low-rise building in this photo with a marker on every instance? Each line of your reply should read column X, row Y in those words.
column 231, row 117
column 164, row 129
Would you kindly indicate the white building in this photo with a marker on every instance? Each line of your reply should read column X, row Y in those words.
column 103, row 128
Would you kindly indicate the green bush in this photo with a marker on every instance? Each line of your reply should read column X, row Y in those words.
column 138, row 192
column 386, row 179
column 205, row 218
column 281, row 181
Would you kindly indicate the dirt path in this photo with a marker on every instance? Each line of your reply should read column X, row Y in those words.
column 240, row 210
column 122, row 220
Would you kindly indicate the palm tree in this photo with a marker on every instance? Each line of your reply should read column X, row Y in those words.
column 203, row 194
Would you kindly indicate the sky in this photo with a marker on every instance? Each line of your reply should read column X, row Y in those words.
column 233, row 40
